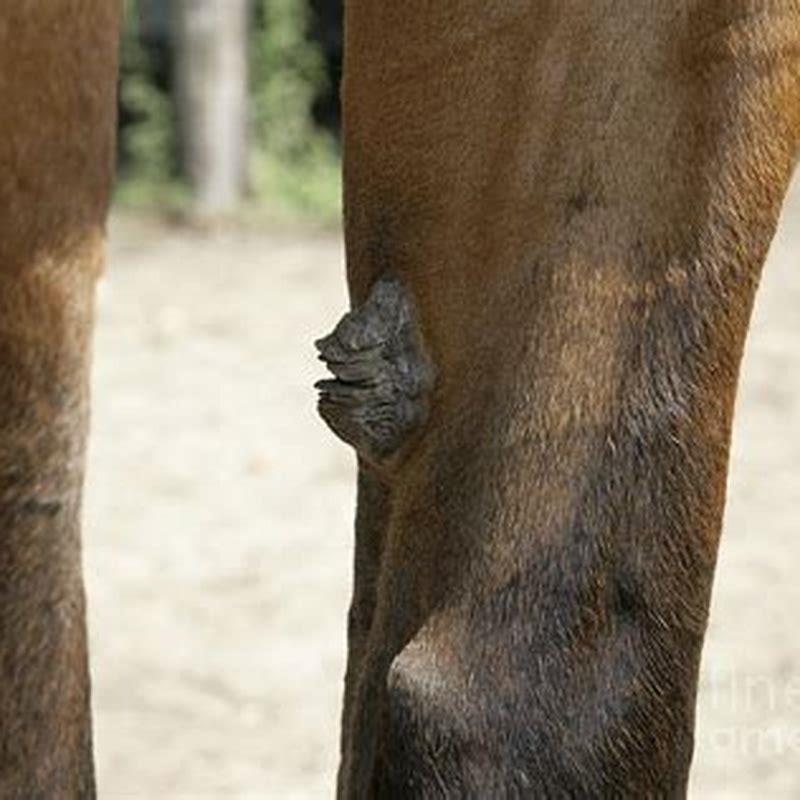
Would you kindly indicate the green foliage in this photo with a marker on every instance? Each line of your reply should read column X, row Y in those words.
column 295, row 168
column 148, row 168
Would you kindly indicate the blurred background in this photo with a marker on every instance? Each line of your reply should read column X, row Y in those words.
column 219, row 509
column 229, row 109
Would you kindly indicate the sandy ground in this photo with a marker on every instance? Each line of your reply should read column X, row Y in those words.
column 218, row 520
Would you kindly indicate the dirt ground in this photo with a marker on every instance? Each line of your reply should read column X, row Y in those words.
column 218, row 518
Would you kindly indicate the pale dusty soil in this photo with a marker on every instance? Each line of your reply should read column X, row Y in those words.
column 218, row 521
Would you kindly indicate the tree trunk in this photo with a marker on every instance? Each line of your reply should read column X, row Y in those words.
column 58, row 67
column 211, row 78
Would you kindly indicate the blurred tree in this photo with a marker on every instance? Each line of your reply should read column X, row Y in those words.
column 233, row 103
column 296, row 165
column 212, row 88
column 147, row 142
column 326, row 30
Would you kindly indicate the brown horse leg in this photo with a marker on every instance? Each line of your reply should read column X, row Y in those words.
column 57, row 91
column 577, row 198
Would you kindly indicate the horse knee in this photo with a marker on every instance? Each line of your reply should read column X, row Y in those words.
column 440, row 742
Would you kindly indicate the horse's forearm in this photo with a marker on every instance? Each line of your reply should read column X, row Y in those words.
column 577, row 199
column 57, row 87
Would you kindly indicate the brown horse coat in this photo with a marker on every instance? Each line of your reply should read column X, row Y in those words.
column 57, row 113
column 573, row 202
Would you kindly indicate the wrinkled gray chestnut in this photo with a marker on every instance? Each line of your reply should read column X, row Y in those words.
column 382, row 377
